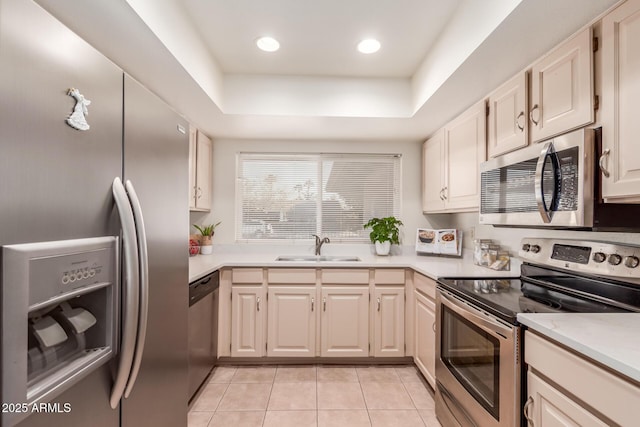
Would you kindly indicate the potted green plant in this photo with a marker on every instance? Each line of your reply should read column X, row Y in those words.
column 207, row 232
column 384, row 233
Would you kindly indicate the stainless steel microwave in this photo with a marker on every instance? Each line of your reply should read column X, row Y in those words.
column 554, row 184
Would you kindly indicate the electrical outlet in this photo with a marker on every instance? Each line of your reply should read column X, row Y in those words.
column 472, row 233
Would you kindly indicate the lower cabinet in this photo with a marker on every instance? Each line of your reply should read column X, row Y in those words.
column 248, row 304
column 388, row 340
column 312, row 313
column 425, row 336
column 291, row 324
column 344, row 325
column 547, row 406
column 566, row 389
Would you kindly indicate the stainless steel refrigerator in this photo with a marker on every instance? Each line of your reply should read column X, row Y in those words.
column 60, row 153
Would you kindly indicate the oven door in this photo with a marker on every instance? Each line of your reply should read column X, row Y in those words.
column 477, row 366
column 546, row 185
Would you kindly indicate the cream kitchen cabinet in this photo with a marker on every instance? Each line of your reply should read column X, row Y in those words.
column 432, row 173
column 291, row 324
column 451, row 163
column 388, row 340
column 565, row 388
column 548, row 406
column 424, row 339
column 248, row 306
column 507, row 123
column 200, row 174
column 562, row 88
column 620, row 162
column 344, row 321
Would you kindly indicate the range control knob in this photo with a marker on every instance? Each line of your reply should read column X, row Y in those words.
column 599, row 257
column 526, row 247
column 535, row 249
column 631, row 261
column 615, row 259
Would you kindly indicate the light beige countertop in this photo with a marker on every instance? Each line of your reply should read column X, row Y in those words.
column 262, row 256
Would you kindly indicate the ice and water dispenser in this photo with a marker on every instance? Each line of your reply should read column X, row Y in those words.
column 59, row 312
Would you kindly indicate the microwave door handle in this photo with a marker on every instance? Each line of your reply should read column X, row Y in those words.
column 131, row 292
column 547, row 150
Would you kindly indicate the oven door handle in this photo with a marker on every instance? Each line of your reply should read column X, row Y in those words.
column 475, row 316
column 546, row 212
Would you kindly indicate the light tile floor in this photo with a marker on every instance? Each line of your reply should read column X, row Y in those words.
column 315, row 395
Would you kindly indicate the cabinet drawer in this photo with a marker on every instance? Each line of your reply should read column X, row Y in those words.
column 389, row 276
column 348, row 277
column 425, row 285
column 291, row 275
column 246, row 275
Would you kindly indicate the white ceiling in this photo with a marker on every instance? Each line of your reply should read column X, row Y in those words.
column 319, row 38
column 199, row 56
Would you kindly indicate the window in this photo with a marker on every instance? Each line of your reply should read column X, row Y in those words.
column 292, row 196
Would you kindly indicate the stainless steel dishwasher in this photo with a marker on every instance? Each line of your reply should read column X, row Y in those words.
column 203, row 329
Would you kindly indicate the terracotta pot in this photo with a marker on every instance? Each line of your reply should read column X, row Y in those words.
column 383, row 248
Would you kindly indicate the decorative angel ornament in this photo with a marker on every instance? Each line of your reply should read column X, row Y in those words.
column 77, row 119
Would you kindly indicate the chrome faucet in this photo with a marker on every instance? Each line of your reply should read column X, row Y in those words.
column 320, row 242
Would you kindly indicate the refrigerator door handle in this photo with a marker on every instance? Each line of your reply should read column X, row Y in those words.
column 130, row 289
column 144, row 285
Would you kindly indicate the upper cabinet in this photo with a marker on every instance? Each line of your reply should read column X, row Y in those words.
column 200, row 177
column 620, row 161
column 562, row 88
column 451, row 163
column 507, row 124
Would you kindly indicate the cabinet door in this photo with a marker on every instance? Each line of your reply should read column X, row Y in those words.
column 620, row 94
column 508, row 127
column 425, row 336
column 389, row 322
column 203, row 172
column 291, row 324
column 547, row 406
column 247, row 321
column 465, row 149
column 562, row 88
column 192, row 166
column 432, row 173
column 345, row 321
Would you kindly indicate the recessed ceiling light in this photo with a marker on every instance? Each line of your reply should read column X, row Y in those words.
column 369, row 46
column 268, row 44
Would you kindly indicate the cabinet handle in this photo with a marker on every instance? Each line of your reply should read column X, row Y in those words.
column 324, row 304
column 535, row 107
column 527, row 405
column 258, row 303
column 433, row 326
column 605, row 156
column 313, row 301
column 444, row 192
column 378, row 304
column 518, row 121
column 441, row 196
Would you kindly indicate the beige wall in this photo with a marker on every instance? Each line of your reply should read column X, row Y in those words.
column 510, row 237
column 224, row 169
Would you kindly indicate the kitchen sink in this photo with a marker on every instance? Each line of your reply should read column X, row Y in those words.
column 317, row 258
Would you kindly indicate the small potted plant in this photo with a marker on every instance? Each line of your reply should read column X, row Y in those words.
column 207, row 232
column 384, row 232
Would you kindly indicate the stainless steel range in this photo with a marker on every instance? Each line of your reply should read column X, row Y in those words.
column 479, row 350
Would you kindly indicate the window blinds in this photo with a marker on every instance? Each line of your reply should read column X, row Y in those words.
column 293, row 196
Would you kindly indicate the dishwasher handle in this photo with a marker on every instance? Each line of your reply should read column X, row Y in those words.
column 203, row 287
